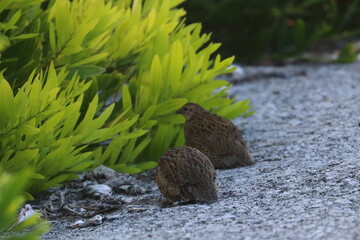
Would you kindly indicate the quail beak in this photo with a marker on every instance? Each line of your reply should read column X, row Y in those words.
column 179, row 111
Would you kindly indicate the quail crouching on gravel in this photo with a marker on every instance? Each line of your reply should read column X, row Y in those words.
column 215, row 136
column 185, row 174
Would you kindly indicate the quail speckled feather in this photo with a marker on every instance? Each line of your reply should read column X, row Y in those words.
column 215, row 136
column 186, row 174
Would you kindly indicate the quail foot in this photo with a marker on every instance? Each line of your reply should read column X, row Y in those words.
column 215, row 136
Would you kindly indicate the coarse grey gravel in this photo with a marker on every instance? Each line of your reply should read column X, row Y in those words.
column 305, row 184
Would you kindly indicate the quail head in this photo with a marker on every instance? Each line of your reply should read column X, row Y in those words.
column 215, row 136
column 186, row 174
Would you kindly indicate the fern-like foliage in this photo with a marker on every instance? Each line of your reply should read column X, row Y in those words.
column 86, row 82
column 40, row 127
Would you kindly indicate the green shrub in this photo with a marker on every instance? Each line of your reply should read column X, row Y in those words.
column 81, row 72
column 39, row 127
column 11, row 199
column 277, row 28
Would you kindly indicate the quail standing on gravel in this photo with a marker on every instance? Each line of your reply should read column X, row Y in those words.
column 185, row 174
column 215, row 136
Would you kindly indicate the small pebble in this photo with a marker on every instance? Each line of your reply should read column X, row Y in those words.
column 26, row 212
column 96, row 220
column 78, row 224
column 98, row 191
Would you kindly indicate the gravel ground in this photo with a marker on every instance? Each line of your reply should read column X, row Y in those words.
column 305, row 184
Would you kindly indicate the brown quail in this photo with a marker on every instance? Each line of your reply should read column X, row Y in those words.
column 186, row 174
column 215, row 136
